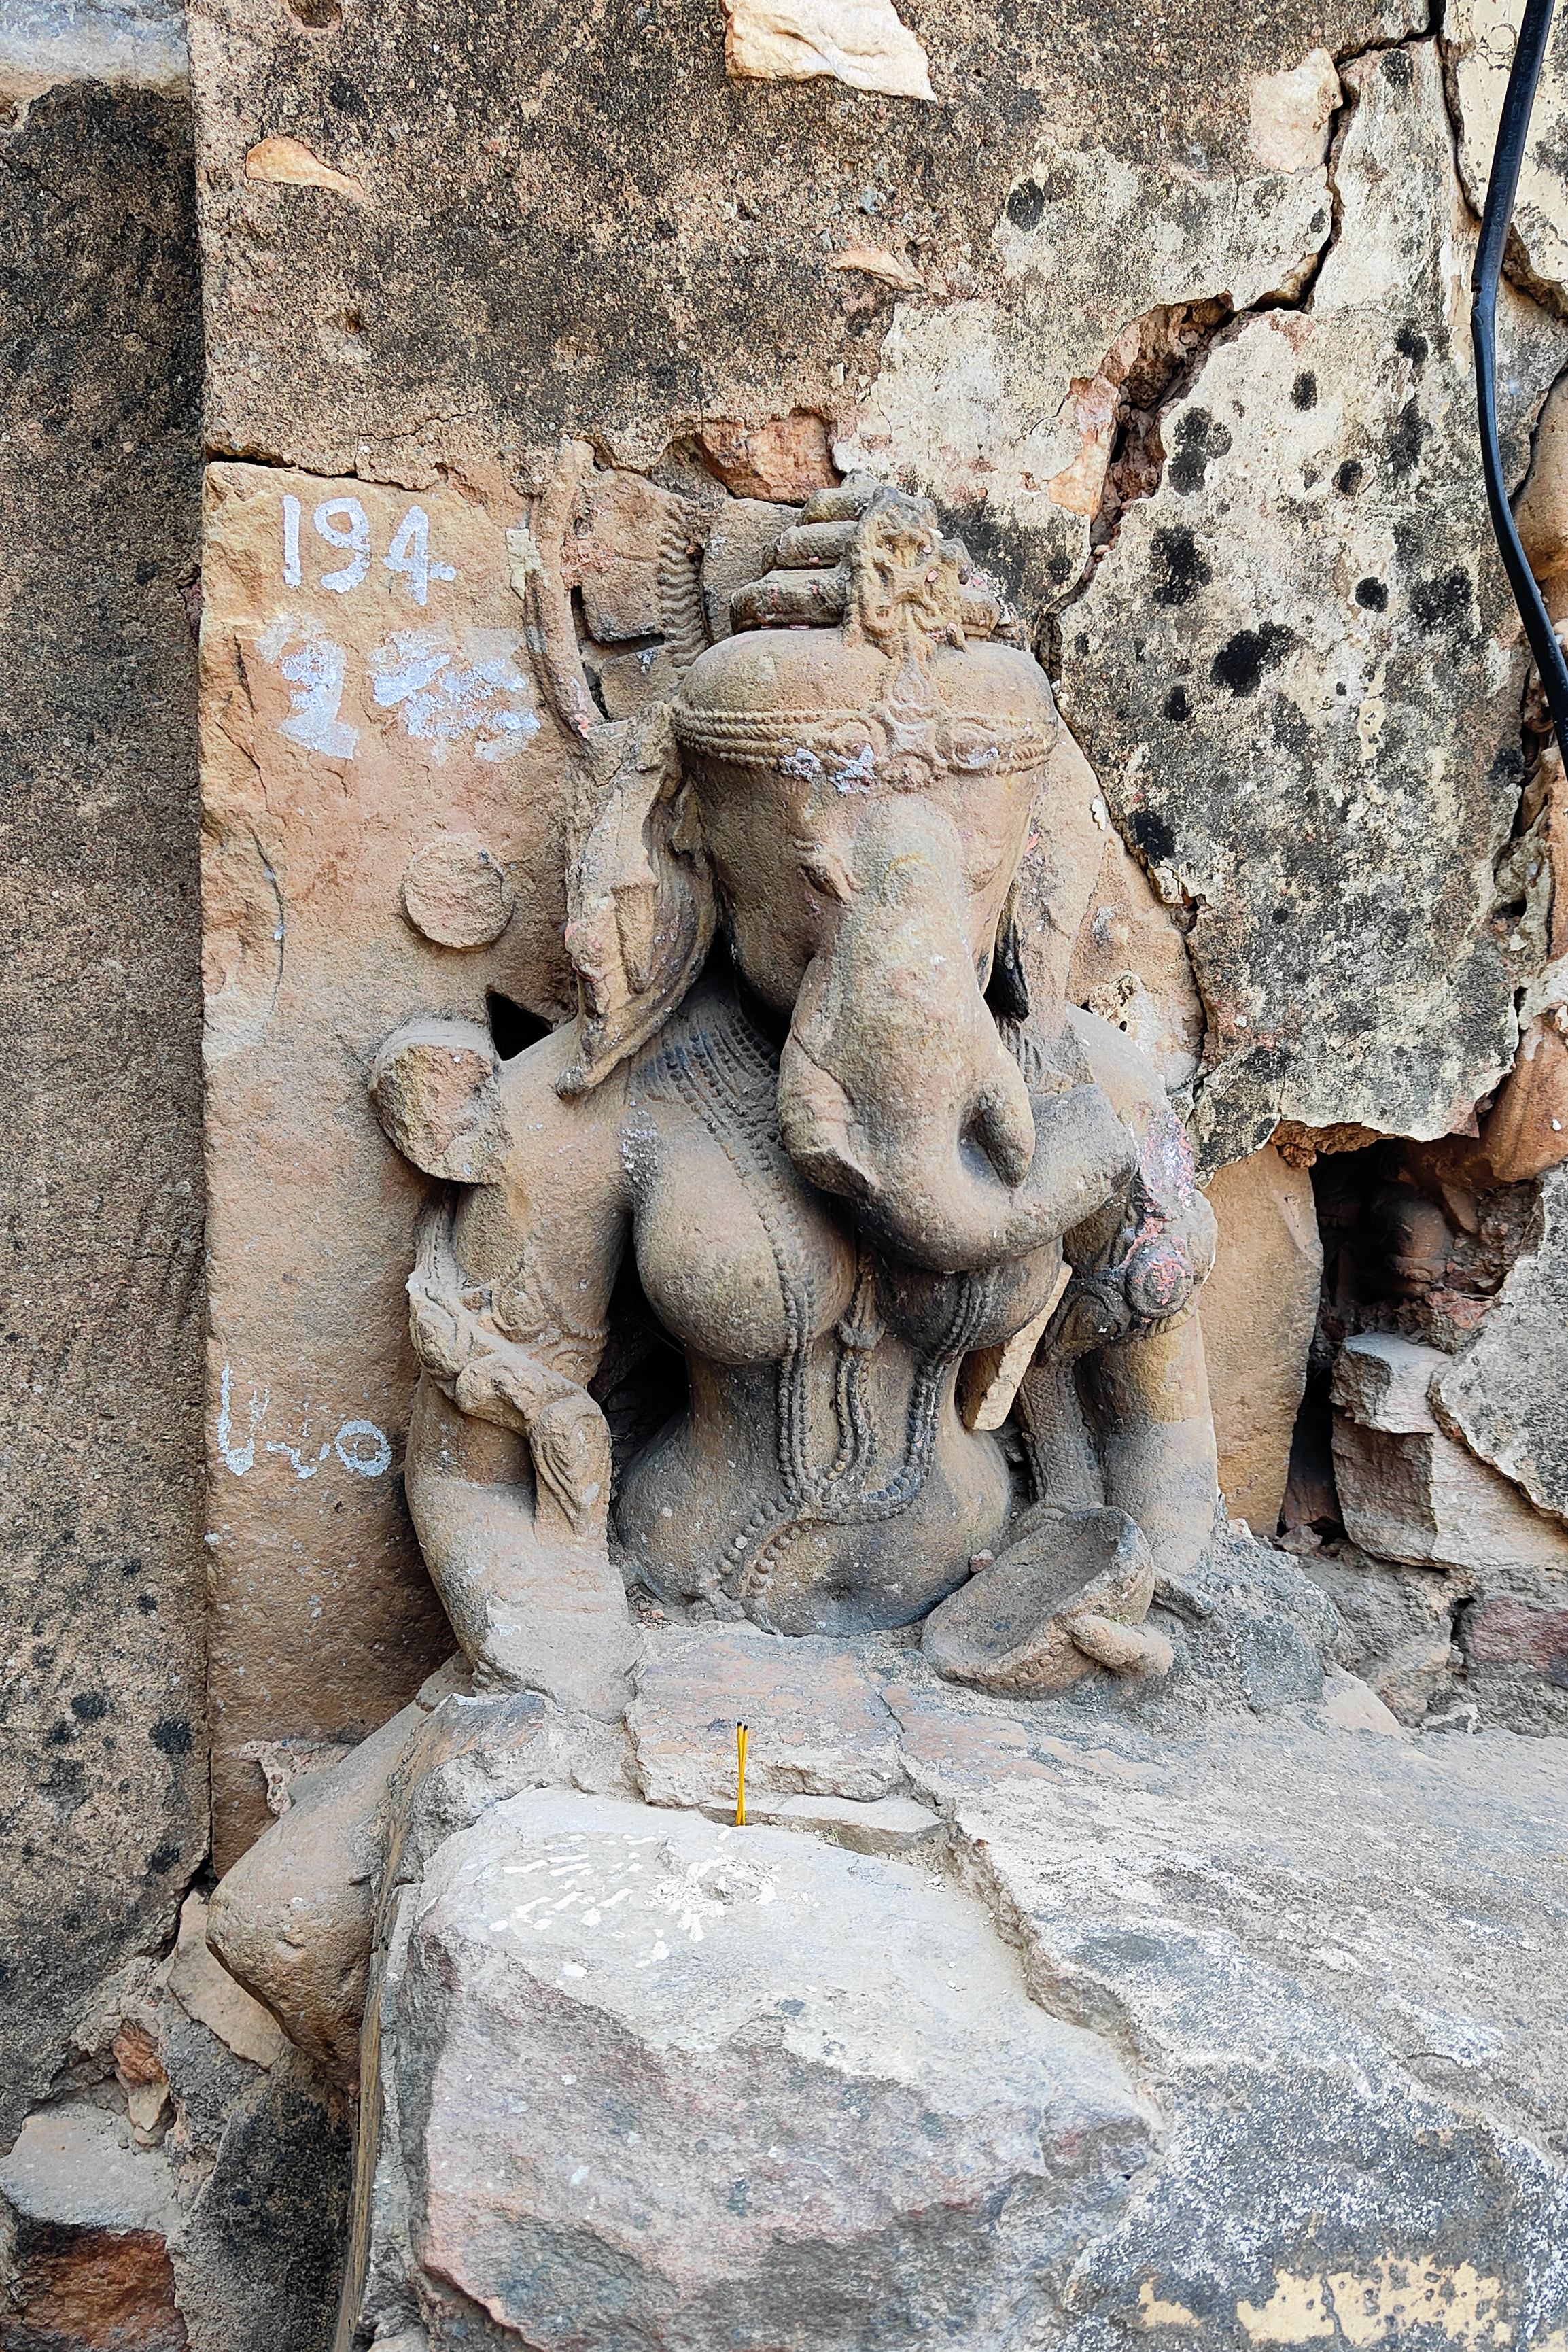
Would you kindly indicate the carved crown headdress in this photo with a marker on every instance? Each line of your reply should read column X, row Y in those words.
column 872, row 656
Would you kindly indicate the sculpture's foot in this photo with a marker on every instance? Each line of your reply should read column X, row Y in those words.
column 1068, row 1596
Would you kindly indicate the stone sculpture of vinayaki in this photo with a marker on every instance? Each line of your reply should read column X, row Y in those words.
column 813, row 1275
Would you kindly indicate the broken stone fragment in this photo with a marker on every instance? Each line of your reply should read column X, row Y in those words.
column 206, row 1992
column 1507, row 1396
column 651, row 2057
column 289, row 164
column 1409, row 1493
column 860, row 42
column 785, row 459
column 1257, row 1311
column 291, row 1921
column 1527, row 1128
column 1289, row 113
column 87, row 2209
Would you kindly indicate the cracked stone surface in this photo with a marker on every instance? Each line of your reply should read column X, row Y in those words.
column 1477, row 42
column 1296, row 670
column 546, row 242
column 1220, row 2033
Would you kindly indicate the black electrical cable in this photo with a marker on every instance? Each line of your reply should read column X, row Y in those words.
column 1501, row 188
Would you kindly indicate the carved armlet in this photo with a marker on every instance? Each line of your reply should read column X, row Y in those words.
column 1137, row 1265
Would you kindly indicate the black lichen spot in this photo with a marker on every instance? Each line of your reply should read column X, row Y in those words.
column 170, row 1735
column 147, row 1603
column 1198, row 438
column 89, row 1707
column 132, row 1567
column 1350, row 476
column 1151, row 834
column 1241, row 660
column 1304, row 391
column 1443, row 602
column 1413, row 344
column 59, row 1735
column 1175, row 705
column 1372, row 595
column 1397, row 68
column 1026, row 206
column 162, row 1858
column 1176, row 569
column 1405, row 443
column 1280, row 914
column 347, row 99
column 146, row 574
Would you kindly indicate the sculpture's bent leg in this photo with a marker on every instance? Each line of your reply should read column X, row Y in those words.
column 1156, row 1441
column 293, row 1919
column 534, row 1611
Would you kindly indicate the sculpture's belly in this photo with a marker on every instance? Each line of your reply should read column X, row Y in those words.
column 807, row 1533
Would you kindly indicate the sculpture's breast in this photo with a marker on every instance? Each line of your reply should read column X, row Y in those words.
column 740, row 1260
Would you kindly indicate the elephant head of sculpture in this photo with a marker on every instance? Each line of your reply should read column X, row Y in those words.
column 846, row 786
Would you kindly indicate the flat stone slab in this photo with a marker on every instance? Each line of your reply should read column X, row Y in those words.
column 1247, row 2033
column 679, row 2085
column 1339, row 1957
column 817, row 1724
column 78, row 2166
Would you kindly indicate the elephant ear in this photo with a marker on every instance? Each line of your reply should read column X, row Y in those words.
column 639, row 904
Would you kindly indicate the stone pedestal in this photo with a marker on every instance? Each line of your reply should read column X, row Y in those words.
column 1234, row 2033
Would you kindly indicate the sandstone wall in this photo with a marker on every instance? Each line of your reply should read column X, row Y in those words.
column 104, row 1780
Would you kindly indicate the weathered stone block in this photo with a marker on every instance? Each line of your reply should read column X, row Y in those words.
column 1508, row 1394
column 643, row 2064
column 103, row 1783
column 1259, row 1310
column 1407, row 1491
column 817, row 1724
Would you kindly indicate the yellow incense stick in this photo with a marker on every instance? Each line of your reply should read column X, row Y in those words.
column 740, row 1777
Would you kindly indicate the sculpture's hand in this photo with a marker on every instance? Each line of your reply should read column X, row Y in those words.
column 571, row 1444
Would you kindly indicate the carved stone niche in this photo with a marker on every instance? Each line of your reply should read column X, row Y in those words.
column 815, row 1285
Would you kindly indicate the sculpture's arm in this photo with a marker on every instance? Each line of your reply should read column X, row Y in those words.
column 1156, row 1439
column 507, row 1470
column 1126, row 1338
